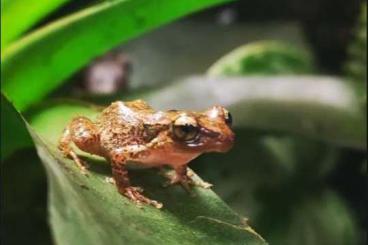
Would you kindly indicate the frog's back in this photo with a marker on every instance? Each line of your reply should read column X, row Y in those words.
column 121, row 124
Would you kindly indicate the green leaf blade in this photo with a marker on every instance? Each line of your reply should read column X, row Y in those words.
column 263, row 58
column 41, row 61
column 17, row 16
column 14, row 134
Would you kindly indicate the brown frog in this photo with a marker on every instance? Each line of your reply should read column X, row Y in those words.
column 134, row 131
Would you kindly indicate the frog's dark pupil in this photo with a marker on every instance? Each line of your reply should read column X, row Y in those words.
column 185, row 132
column 229, row 119
column 187, row 128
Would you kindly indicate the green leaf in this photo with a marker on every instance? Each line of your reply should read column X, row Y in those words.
column 24, row 194
column 279, row 183
column 281, row 177
column 324, row 108
column 87, row 210
column 17, row 16
column 323, row 218
column 14, row 134
column 263, row 58
column 38, row 63
column 356, row 66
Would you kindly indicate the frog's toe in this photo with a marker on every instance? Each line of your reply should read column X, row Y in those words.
column 202, row 184
column 83, row 170
column 184, row 181
column 110, row 180
column 134, row 194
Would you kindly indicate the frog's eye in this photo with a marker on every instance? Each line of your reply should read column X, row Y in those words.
column 185, row 132
column 228, row 118
column 185, row 128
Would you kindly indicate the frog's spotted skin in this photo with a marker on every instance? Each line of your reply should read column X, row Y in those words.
column 135, row 131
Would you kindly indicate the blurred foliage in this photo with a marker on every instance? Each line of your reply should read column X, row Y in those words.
column 17, row 16
column 280, row 183
column 282, row 179
column 264, row 58
column 356, row 67
column 24, row 200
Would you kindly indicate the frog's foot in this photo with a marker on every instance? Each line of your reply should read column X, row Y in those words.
column 82, row 165
column 203, row 184
column 185, row 181
column 199, row 182
column 110, row 180
column 134, row 194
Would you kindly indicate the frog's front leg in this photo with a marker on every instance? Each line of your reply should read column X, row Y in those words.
column 182, row 176
column 83, row 133
column 121, row 178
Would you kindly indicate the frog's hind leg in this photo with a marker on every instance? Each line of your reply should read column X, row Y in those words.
column 83, row 133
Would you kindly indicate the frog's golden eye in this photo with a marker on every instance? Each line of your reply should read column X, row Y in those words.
column 185, row 128
column 228, row 118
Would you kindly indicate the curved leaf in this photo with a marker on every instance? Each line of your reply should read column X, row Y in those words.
column 38, row 63
column 263, row 58
column 17, row 16
column 325, row 216
column 14, row 134
column 78, row 202
column 356, row 65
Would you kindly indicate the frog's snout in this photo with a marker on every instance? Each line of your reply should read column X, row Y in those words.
column 226, row 142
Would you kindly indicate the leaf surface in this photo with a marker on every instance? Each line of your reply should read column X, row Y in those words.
column 263, row 58
column 14, row 134
column 17, row 16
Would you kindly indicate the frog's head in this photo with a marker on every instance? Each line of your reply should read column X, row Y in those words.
column 198, row 132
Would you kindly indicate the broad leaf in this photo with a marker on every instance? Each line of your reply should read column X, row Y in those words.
column 356, row 65
column 24, row 199
column 263, row 58
column 87, row 210
column 38, row 63
column 14, row 134
column 324, row 215
column 17, row 16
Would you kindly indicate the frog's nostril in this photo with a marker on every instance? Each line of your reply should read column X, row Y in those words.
column 228, row 138
column 226, row 143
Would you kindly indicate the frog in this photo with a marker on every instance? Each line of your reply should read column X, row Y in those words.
column 133, row 131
